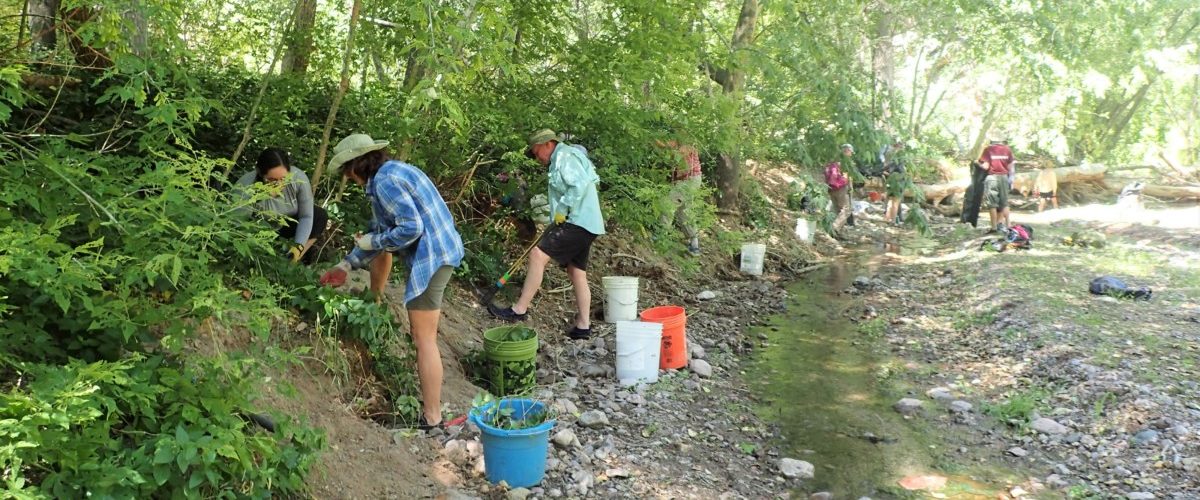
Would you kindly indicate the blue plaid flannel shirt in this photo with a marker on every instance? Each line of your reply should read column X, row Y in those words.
column 410, row 218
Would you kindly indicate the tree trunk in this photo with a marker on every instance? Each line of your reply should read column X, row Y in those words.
column 138, row 38
column 337, row 99
column 300, row 38
column 883, row 61
column 729, row 169
column 988, row 120
column 42, row 16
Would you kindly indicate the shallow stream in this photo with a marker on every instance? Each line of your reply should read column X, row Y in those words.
column 831, row 387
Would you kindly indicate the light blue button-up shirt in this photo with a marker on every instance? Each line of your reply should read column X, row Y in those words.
column 573, row 182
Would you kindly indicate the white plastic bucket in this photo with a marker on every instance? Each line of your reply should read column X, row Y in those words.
column 639, row 345
column 752, row 258
column 621, row 298
column 804, row 230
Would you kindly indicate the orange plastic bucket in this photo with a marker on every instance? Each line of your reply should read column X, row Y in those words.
column 674, row 338
column 874, row 195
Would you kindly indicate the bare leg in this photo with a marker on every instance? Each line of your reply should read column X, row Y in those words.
column 1054, row 200
column 992, row 215
column 429, row 362
column 1007, row 218
column 381, row 268
column 533, row 279
column 1041, row 205
column 583, row 296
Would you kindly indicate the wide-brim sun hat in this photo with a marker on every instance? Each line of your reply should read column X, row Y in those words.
column 847, row 146
column 353, row 146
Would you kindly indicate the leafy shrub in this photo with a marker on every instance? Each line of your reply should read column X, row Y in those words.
column 143, row 426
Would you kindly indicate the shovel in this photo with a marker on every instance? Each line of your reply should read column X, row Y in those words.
column 486, row 295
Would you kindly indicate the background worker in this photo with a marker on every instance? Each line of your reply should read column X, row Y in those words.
column 408, row 218
column 997, row 158
column 686, row 181
column 1047, row 186
column 291, row 197
column 575, row 209
column 895, row 179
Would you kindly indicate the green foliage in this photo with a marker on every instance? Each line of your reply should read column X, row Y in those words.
column 394, row 357
column 501, row 417
column 1019, row 408
column 143, row 426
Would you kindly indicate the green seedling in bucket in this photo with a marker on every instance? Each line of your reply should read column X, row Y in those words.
column 502, row 418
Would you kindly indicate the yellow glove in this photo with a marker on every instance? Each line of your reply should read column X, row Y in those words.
column 559, row 218
column 296, row 252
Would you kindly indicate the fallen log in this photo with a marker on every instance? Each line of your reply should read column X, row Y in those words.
column 1023, row 182
column 1156, row 190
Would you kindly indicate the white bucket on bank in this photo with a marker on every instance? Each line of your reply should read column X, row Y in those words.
column 753, row 255
column 639, row 346
column 805, row 229
column 620, row 298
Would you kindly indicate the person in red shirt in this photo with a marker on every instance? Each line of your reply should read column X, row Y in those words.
column 997, row 159
column 686, row 185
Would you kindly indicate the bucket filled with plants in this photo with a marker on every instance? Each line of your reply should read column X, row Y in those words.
column 515, row 434
column 511, row 354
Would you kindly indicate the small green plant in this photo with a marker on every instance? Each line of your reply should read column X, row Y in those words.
column 1018, row 409
column 873, row 328
column 496, row 413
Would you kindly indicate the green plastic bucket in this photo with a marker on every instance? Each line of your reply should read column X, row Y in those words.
column 512, row 364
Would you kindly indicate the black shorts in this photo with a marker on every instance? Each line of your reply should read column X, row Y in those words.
column 320, row 220
column 568, row 244
column 1047, row 196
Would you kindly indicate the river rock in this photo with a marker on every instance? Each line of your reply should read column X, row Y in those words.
column 796, row 469
column 592, row 371
column 565, row 438
column 706, row 295
column 702, row 368
column 862, row 282
column 593, row 418
column 821, row 495
column 697, row 351
column 1017, row 451
column 1145, row 437
column 939, row 394
column 1048, row 426
column 1140, row 495
column 960, row 406
column 518, row 494
column 908, row 406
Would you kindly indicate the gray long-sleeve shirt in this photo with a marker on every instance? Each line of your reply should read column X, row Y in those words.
column 295, row 201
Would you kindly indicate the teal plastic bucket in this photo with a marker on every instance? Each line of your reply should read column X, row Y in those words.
column 512, row 364
column 517, row 457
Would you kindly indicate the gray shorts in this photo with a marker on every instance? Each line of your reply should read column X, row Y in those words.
column 431, row 298
column 995, row 191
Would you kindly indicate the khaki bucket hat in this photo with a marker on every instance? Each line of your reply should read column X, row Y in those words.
column 353, row 146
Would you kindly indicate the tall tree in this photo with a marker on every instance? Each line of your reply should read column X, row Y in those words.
column 43, row 15
column 300, row 38
column 732, row 80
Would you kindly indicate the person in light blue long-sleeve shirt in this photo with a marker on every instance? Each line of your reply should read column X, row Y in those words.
column 575, row 208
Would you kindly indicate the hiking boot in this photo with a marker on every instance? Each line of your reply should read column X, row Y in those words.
column 507, row 314
column 578, row 333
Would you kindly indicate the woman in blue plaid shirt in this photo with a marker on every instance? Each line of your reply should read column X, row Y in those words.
column 409, row 219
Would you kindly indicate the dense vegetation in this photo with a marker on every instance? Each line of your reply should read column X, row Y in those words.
column 122, row 123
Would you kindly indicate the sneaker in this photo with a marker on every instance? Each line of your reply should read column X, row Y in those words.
column 577, row 333
column 424, row 426
column 507, row 314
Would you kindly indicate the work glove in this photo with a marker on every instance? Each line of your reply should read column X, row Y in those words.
column 296, row 251
column 363, row 241
column 559, row 218
column 336, row 275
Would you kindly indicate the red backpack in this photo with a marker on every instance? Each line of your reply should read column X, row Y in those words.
column 834, row 176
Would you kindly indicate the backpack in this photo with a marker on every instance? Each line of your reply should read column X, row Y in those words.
column 1019, row 236
column 1113, row 287
column 834, row 176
